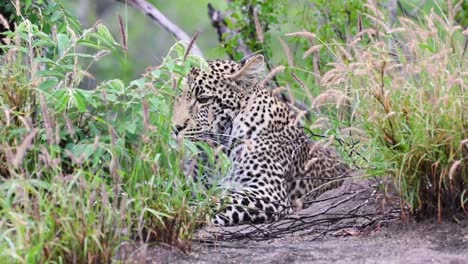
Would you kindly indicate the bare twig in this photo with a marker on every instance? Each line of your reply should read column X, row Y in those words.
column 123, row 34
column 218, row 22
column 159, row 18
column 190, row 46
column 332, row 215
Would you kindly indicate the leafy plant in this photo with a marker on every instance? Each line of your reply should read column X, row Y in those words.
column 242, row 19
column 409, row 97
column 83, row 171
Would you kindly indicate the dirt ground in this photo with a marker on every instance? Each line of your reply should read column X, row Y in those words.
column 401, row 243
column 373, row 234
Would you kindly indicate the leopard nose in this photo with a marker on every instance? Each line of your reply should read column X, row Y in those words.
column 177, row 129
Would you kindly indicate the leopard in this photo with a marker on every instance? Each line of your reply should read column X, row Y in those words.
column 275, row 163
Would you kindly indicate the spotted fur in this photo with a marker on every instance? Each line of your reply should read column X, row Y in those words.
column 274, row 163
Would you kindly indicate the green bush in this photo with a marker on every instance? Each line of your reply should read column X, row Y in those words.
column 408, row 88
column 83, row 171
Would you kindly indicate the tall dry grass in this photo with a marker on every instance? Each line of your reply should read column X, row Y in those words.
column 403, row 89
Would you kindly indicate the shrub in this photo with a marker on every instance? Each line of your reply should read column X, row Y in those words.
column 409, row 95
column 82, row 171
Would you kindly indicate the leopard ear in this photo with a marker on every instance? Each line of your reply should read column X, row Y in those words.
column 250, row 72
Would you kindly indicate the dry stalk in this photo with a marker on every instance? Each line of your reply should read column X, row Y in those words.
column 191, row 44
column 48, row 124
column 287, row 51
column 21, row 150
column 123, row 34
column 274, row 72
column 309, row 35
column 258, row 26
column 303, row 86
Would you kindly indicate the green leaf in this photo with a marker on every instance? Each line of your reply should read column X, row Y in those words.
column 51, row 74
column 157, row 214
column 156, row 73
column 180, row 49
column 82, row 55
column 106, row 36
column 132, row 127
column 88, row 43
column 80, row 100
column 170, row 65
column 46, row 85
column 63, row 42
column 56, row 16
column 43, row 43
column 60, row 98
column 83, row 150
column 116, row 86
column 138, row 82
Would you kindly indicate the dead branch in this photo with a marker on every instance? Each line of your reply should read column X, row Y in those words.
column 224, row 33
column 335, row 214
column 157, row 17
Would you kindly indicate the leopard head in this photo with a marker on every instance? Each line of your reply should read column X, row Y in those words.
column 211, row 99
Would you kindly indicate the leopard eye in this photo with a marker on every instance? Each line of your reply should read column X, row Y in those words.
column 203, row 100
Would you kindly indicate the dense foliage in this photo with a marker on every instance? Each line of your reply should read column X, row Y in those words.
column 82, row 171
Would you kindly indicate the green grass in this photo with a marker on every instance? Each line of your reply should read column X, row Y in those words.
column 398, row 95
column 83, row 171
column 408, row 89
